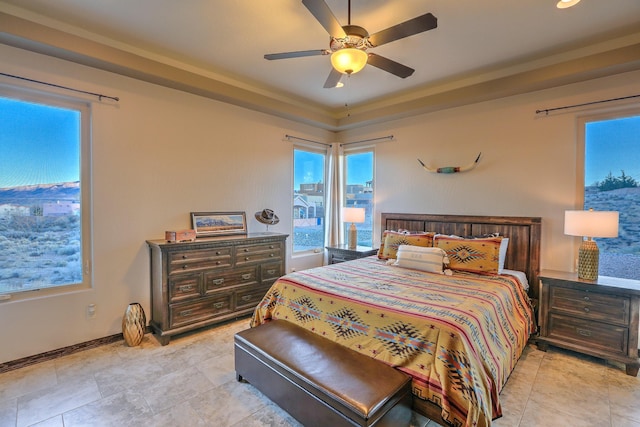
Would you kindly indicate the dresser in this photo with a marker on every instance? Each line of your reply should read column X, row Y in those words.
column 210, row 280
column 599, row 318
column 342, row 253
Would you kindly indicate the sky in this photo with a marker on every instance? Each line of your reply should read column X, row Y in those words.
column 309, row 168
column 612, row 146
column 38, row 144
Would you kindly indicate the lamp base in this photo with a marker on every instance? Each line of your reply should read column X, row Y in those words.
column 353, row 236
column 588, row 259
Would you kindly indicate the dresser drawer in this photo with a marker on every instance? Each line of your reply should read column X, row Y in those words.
column 258, row 253
column 186, row 313
column 199, row 260
column 271, row 271
column 250, row 296
column 591, row 305
column 215, row 280
column 587, row 333
column 184, row 286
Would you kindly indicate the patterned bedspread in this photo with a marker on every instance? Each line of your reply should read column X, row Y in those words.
column 459, row 337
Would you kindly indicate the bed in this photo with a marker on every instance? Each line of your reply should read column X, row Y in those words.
column 458, row 336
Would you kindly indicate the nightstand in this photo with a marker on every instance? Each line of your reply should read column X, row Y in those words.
column 599, row 318
column 342, row 253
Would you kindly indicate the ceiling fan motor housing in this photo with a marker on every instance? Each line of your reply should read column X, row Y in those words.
column 357, row 38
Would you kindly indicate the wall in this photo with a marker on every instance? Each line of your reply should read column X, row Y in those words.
column 158, row 154
column 529, row 164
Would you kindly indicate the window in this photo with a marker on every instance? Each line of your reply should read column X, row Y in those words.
column 308, row 200
column 359, row 191
column 612, row 183
column 44, row 218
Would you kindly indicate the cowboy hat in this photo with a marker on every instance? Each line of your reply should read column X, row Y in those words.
column 267, row 216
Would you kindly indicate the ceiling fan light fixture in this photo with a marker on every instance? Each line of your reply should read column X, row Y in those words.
column 563, row 4
column 349, row 60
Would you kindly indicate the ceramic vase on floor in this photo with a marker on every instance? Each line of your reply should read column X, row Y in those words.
column 134, row 323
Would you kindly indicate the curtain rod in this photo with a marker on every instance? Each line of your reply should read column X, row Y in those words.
column 290, row 137
column 98, row 95
column 547, row 110
column 389, row 137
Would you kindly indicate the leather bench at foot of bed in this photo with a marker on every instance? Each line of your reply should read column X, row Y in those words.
column 319, row 382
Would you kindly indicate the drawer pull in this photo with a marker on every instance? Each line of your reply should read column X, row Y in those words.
column 246, row 258
column 217, row 281
column 271, row 255
column 186, row 288
column 270, row 246
column 586, row 309
column 246, row 276
column 217, row 252
column 246, row 250
column 184, row 257
column 184, row 267
column 586, row 298
column 186, row 313
column 246, row 298
column 583, row 332
column 218, row 305
column 272, row 271
column 217, row 262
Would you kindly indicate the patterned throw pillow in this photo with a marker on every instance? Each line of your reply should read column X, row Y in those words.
column 393, row 239
column 475, row 255
column 419, row 258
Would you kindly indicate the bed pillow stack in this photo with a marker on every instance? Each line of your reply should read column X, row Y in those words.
column 482, row 254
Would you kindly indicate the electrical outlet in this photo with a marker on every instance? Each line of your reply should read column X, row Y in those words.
column 91, row 311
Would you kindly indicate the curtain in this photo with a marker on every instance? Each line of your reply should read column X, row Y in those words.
column 334, row 196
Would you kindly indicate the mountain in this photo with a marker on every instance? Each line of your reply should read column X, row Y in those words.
column 40, row 193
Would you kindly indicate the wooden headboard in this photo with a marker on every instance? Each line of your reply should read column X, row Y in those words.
column 523, row 253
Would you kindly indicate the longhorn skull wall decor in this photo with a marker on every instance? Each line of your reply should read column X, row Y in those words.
column 452, row 169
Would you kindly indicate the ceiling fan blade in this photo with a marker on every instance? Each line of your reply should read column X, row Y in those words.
column 325, row 17
column 301, row 53
column 408, row 28
column 389, row 66
column 333, row 79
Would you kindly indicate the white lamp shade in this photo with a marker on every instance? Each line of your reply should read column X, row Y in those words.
column 591, row 223
column 349, row 60
column 353, row 214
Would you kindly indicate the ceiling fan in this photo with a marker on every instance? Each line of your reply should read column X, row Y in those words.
column 348, row 44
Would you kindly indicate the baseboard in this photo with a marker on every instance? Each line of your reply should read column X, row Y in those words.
column 53, row 354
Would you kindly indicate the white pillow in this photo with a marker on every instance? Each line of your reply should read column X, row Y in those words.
column 504, row 244
column 422, row 258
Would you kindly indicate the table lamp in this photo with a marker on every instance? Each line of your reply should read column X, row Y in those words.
column 353, row 215
column 590, row 224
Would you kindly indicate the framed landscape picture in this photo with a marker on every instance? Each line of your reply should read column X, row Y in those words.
column 208, row 224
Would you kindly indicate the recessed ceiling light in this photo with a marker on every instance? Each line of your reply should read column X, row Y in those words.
column 563, row 4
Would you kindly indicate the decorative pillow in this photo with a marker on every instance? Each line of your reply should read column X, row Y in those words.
column 393, row 240
column 384, row 236
column 475, row 255
column 421, row 258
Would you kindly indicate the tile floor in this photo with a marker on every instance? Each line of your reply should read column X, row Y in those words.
column 191, row 382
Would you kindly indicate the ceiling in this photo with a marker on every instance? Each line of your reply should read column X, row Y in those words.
column 225, row 40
